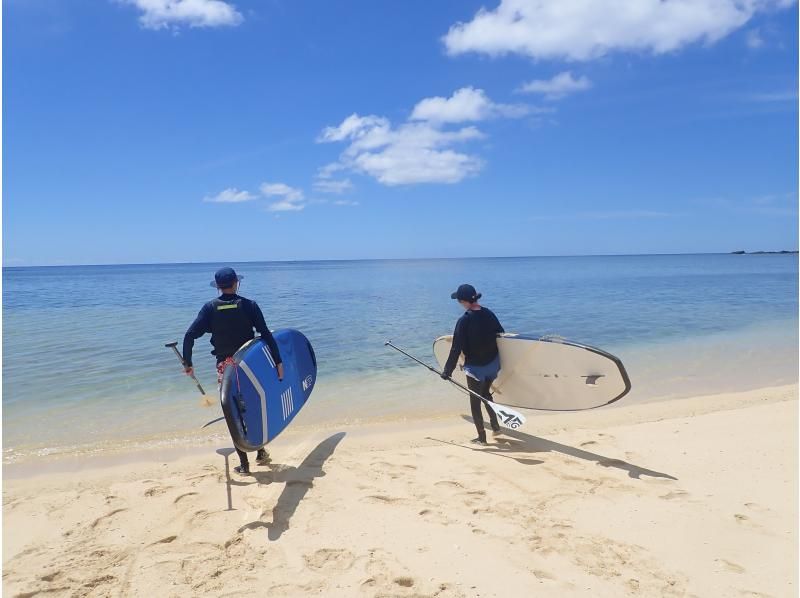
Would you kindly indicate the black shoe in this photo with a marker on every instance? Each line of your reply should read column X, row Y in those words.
column 480, row 441
column 242, row 469
column 263, row 458
column 496, row 430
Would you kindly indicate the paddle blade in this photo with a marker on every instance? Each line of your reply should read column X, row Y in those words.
column 506, row 416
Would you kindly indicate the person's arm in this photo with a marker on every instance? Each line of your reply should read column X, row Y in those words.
column 261, row 327
column 500, row 329
column 201, row 325
column 455, row 349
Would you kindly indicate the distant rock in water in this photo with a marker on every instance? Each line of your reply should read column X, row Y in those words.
column 784, row 252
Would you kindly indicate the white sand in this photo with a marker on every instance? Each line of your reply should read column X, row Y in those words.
column 694, row 497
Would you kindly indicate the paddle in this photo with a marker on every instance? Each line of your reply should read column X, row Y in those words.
column 206, row 401
column 507, row 416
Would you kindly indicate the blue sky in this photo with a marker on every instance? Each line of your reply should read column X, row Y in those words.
column 140, row 131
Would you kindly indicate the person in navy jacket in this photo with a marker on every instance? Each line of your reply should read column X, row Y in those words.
column 230, row 318
column 475, row 336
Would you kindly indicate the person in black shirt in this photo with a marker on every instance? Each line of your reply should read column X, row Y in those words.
column 230, row 319
column 475, row 336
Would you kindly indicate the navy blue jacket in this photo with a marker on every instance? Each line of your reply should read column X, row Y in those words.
column 230, row 319
column 476, row 337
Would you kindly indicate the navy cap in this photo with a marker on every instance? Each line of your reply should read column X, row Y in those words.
column 466, row 292
column 224, row 278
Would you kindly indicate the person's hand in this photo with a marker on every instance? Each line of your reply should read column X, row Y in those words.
column 189, row 371
column 444, row 376
column 280, row 371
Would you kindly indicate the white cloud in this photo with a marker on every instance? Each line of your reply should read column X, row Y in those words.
column 417, row 152
column 557, row 87
column 466, row 104
column 352, row 127
column 753, row 39
column 773, row 96
column 587, row 29
column 162, row 14
column 281, row 190
column 421, row 150
column 231, row 195
column 325, row 185
column 284, row 205
column 291, row 199
column 345, row 202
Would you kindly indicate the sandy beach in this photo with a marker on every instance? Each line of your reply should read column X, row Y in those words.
column 691, row 497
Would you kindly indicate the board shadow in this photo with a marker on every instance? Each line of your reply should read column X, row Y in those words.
column 298, row 481
column 527, row 443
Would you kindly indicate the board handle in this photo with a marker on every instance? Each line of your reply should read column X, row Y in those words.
column 313, row 355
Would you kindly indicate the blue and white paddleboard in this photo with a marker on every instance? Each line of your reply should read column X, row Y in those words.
column 257, row 406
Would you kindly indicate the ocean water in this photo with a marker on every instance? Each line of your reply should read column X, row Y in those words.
column 84, row 362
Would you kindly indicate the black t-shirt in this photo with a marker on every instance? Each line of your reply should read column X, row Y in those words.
column 475, row 336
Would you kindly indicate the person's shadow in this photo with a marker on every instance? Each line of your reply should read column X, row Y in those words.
column 520, row 442
column 298, row 481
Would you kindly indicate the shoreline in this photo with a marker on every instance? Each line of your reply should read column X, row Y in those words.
column 169, row 448
column 728, row 361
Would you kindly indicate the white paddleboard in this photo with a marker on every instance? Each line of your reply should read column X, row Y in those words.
column 549, row 373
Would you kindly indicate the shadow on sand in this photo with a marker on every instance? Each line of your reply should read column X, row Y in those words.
column 514, row 441
column 226, row 452
column 298, row 481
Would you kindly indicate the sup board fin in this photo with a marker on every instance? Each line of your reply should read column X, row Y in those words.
column 592, row 380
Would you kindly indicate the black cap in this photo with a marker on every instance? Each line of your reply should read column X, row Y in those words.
column 224, row 278
column 466, row 292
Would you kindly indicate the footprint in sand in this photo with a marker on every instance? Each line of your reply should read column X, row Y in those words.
column 105, row 517
column 730, row 566
column 475, row 492
column 745, row 520
column 100, row 581
column 435, row 517
column 337, row 559
column 156, row 490
column 756, row 507
column 167, row 540
column 199, row 516
column 448, row 484
column 381, row 499
column 675, row 494
column 182, row 496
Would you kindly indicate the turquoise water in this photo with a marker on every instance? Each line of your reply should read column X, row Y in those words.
column 84, row 358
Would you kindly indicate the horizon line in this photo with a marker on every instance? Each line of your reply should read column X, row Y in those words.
column 381, row 259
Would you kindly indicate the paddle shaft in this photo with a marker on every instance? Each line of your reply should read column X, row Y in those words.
column 437, row 372
column 174, row 347
column 509, row 417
